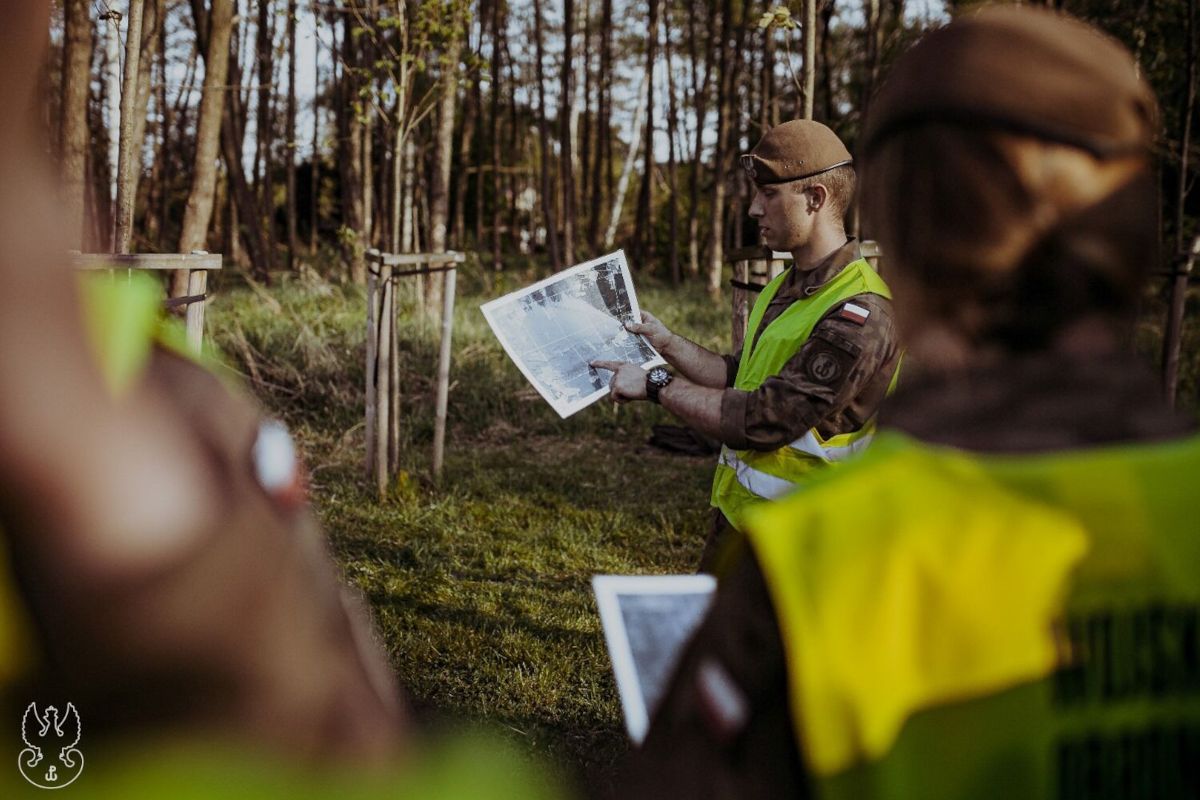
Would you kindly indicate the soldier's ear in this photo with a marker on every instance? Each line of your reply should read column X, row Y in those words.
column 818, row 197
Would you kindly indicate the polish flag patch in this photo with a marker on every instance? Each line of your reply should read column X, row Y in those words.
column 854, row 313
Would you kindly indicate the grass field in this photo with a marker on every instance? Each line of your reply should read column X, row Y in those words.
column 481, row 586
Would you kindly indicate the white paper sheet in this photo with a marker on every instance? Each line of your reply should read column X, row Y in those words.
column 554, row 328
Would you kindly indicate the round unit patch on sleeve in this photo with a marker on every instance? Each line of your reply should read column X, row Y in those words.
column 826, row 366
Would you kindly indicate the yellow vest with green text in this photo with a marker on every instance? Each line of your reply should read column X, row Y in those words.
column 961, row 626
column 745, row 477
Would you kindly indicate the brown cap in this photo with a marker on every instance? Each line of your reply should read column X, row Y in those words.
column 794, row 150
column 1030, row 71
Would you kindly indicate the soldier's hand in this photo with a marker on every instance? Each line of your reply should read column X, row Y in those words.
column 628, row 380
column 655, row 332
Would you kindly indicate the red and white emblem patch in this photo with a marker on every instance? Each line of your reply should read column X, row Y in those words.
column 854, row 313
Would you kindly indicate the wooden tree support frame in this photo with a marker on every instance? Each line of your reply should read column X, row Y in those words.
column 755, row 267
column 383, row 367
column 197, row 264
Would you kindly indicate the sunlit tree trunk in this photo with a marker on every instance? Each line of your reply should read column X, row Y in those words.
column 73, row 133
column 198, row 214
column 443, row 144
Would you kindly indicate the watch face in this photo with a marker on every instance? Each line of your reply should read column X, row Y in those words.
column 659, row 376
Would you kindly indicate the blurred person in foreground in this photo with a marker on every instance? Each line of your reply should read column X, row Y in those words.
column 1001, row 598
column 820, row 350
column 162, row 583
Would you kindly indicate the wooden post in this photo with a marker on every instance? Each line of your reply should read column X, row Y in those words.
column 741, row 301
column 443, row 388
column 372, row 341
column 197, row 286
column 1172, row 340
column 382, row 389
column 394, row 388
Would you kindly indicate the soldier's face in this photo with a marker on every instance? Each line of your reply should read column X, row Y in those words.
column 785, row 222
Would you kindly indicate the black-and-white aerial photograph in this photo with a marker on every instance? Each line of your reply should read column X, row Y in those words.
column 647, row 620
column 553, row 329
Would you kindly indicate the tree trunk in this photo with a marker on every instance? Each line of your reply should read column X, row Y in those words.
column 700, row 105
column 152, row 24
column 716, row 236
column 603, row 159
column 564, row 126
column 290, row 148
column 499, row 22
column 544, row 143
column 265, row 138
column 643, row 235
column 672, row 128
column 315, row 159
column 635, row 141
column 443, row 151
column 73, row 133
column 350, row 153
column 130, row 152
column 112, row 102
column 587, row 131
column 810, row 55
column 198, row 213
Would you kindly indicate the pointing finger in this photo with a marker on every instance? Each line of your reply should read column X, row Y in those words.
column 611, row 366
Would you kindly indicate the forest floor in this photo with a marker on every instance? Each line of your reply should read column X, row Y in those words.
column 481, row 586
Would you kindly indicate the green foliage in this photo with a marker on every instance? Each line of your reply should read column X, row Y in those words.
column 778, row 18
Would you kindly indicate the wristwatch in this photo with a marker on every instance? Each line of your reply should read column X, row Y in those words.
column 657, row 379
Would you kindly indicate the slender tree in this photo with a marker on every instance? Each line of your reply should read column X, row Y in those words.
column 602, row 166
column 73, row 133
column 499, row 23
column 566, row 161
column 439, row 195
column 290, row 144
column 544, row 141
column 130, row 157
column 198, row 213
column 672, row 130
column 643, row 237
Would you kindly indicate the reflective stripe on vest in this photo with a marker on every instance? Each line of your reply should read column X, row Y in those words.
column 991, row 627
column 769, row 487
column 744, row 477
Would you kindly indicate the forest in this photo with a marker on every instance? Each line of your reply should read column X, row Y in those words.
column 294, row 137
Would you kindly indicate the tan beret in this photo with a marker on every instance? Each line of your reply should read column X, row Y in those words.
column 797, row 149
column 1026, row 70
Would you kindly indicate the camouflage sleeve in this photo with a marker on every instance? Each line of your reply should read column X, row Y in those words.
column 840, row 360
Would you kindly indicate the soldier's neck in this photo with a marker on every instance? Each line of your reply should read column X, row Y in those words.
column 826, row 238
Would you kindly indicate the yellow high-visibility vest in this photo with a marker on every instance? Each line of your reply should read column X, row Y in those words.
column 746, row 477
column 1018, row 626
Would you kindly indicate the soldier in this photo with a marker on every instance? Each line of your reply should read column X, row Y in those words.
column 159, row 569
column 1000, row 599
column 820, row 350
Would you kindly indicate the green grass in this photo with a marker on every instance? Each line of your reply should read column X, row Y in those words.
column 480, row 586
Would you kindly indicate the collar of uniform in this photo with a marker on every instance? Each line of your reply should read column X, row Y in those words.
column 805, row 283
